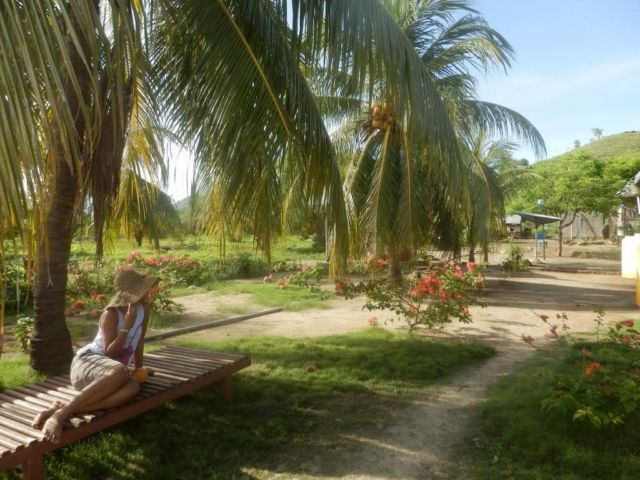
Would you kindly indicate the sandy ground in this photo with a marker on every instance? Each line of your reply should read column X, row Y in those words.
column 428, row 439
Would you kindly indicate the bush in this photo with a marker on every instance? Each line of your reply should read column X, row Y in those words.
column 515, row 262
column 600, row 389
column 435, row 297
column 22, row 332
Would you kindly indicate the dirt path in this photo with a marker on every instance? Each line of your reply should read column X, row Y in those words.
column 428, row 439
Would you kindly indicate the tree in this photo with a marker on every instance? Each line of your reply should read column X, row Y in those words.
column 498, row 177
column 402, row 191
column 576, row 144
column 227, row 76
column 572, row 184
column 143, row 210
column 597, row 133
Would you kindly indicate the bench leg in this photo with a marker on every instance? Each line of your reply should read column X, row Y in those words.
column 226, row 388
column 33, row 469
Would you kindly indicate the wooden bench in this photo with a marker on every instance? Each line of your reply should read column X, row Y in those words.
column 178, row 371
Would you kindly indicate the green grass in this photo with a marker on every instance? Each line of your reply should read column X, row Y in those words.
column 522, row 443
column 15, row 371
column 292, row 298
column 290, row 247
column 301, row 397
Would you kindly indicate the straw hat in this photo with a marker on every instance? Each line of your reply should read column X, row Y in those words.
column 131, row 286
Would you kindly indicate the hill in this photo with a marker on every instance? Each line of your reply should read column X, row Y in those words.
column 621, row 146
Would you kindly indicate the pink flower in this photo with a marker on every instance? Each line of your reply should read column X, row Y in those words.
column 471, row 266
column 586, row 352
column 373, row 322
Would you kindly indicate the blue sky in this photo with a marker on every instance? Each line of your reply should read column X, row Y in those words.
column 577, row 67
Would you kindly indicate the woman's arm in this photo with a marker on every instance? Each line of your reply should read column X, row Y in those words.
column 138, row 356
column 114, row 340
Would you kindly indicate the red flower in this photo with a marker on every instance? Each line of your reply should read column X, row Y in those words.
column 373, row 322
column 553, row 330
column 627, row 323
column 544, row 318
column 77, row 306
column 591, row 368
column 471, row 266
column 339, row 286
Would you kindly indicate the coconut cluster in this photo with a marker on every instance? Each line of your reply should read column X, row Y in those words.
column 381, row 115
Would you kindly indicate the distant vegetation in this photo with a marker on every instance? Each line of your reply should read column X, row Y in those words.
column 586, row 179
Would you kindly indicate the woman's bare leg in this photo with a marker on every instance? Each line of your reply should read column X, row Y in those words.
column 125, row 394
column 95, row 392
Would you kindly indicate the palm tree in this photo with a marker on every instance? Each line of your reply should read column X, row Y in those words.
column 496, row 178
column 143, row 210
column 401, row 191
column 229, row 76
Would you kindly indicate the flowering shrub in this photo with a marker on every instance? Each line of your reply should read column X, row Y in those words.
column 174, row 269
column 432, row 298
column 306, row 277
column 598, row 390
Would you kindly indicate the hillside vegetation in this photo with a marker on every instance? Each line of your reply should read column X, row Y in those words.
column 624, row 145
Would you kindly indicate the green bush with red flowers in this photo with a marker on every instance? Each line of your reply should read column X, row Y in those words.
column 438, row 295
column 601, row 389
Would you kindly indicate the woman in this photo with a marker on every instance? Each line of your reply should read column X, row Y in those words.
column 100, row 370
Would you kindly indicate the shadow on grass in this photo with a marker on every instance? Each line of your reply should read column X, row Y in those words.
column 302, row 395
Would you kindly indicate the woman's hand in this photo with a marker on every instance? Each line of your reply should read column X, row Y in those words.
column 130, row 317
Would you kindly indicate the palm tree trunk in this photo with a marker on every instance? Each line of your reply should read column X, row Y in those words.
column 51, row 350
column 395, row 273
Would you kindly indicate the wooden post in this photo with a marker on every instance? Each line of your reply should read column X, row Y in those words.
column 33, row 469
column 226, row 388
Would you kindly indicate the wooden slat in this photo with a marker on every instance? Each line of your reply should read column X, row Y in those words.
column 10, row 444
column 21, row 402
column 17, row 410
column 45, row 393
column 184, row 364
column 170, row 366
column 176, row 367
column 16, row 436
column 191, row 360
column 19, row 426
column 69, row 390
column 230, row 357
column 61, row 383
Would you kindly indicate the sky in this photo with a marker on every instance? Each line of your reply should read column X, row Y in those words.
column 576, row 67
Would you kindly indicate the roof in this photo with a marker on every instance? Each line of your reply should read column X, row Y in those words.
column 537, row 218
column 631, row 189
column 513, row 219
